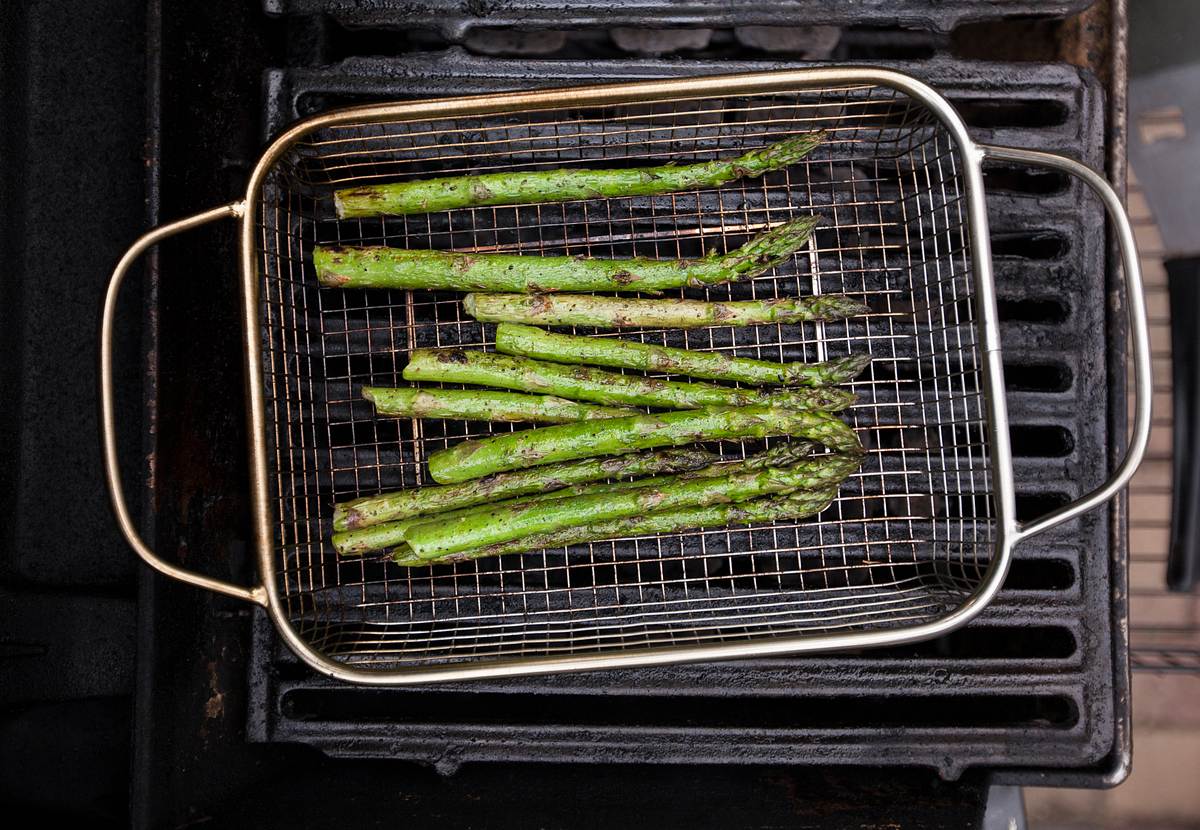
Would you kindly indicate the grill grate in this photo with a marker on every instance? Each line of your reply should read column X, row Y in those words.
column 1047, row 637
column 908, row 537
column 456, row 19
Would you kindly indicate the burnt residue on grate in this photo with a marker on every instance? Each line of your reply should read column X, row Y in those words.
column 456, row 20
column 1033, row 674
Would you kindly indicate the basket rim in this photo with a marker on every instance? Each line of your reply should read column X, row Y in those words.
column 987, row 326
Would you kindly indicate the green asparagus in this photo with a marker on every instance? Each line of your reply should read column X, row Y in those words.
column 584, row 383
column 615, row 436
column 526, row 187
column 439, row 537
column 419, row 501
column 381, row 267
column 376, row 536
column 528, row 341
column 391, row 535
column 484, row 406
column 793, row 506
column 623, row 312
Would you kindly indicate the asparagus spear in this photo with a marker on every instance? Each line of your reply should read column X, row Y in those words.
column 381, row 267
column 401, row 504
column 515, row 188
column 584, row 383
column 622, row 312
column 484, row 406
column 528, row 341
column 616, row 436
column 793, row 506
column 438, row 536
column 377, row 536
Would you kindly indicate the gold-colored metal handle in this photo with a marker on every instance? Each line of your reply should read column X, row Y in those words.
column 108, row 430
column 1139, row 331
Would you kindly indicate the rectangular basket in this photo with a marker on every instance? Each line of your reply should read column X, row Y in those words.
column 915, row 543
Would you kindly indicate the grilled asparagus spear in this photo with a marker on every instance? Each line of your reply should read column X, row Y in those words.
column 420, row 501
column 484, row 406
column 615, row 436
column 374, row 535
column 381, row 267
column 583, row 383
column 528, row 341
column 439, row 536
column 517, row 188
column 793, row 506
column 623, row 312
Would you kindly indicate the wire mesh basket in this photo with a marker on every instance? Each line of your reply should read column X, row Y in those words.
column 915, row 543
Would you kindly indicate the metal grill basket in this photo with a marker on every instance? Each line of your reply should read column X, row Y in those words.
column 915, row 543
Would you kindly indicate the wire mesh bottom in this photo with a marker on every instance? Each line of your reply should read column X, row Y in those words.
column 909, row 536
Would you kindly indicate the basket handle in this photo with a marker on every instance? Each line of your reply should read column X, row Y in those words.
column 1135, row 303
column 108, row 432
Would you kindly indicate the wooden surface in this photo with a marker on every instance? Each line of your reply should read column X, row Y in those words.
column 1161, row 621
column 1162, row 792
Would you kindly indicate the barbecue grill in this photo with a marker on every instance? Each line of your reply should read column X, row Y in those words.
column 915, row 547
column 1034, row 690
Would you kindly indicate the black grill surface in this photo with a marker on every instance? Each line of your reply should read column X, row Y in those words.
column 1033, row 692
column 456, row 18
column 1027, row 690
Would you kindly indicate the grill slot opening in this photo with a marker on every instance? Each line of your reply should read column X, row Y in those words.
column 1037, row 377
column 993, row 642
column 1028, row 440
column 1040, row 245
column 1025, row 310
column 991, row 113
column 1003, row 178
column 1033, row 310
column 1039, row 575
column 1018, row 376
column 1033, row 505
column 940, row 712
column 1041, row 441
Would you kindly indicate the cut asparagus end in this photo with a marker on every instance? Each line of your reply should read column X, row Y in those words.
column 325, row 262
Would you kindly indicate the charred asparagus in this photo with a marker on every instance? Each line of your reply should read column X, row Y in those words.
column 376, row 535
column 622, row 312
column 381, row 267
column 615, row 436
column 798, row 505
column 515, row 188
column 585, row 383
column 419, row 501
column 439, row 536
column 528, row 341
column 484, row 406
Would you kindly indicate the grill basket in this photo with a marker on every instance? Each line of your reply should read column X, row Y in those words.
column 915, row 543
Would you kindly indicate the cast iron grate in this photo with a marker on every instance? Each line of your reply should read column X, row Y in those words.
column 455, row 19
column 1045, row 641
column 907, row 538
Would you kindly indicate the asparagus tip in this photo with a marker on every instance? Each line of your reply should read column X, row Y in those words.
column 854, row 364
column 783, row 153
column 773, row 247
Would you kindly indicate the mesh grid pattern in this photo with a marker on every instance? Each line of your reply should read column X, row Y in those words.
column 909, row 536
